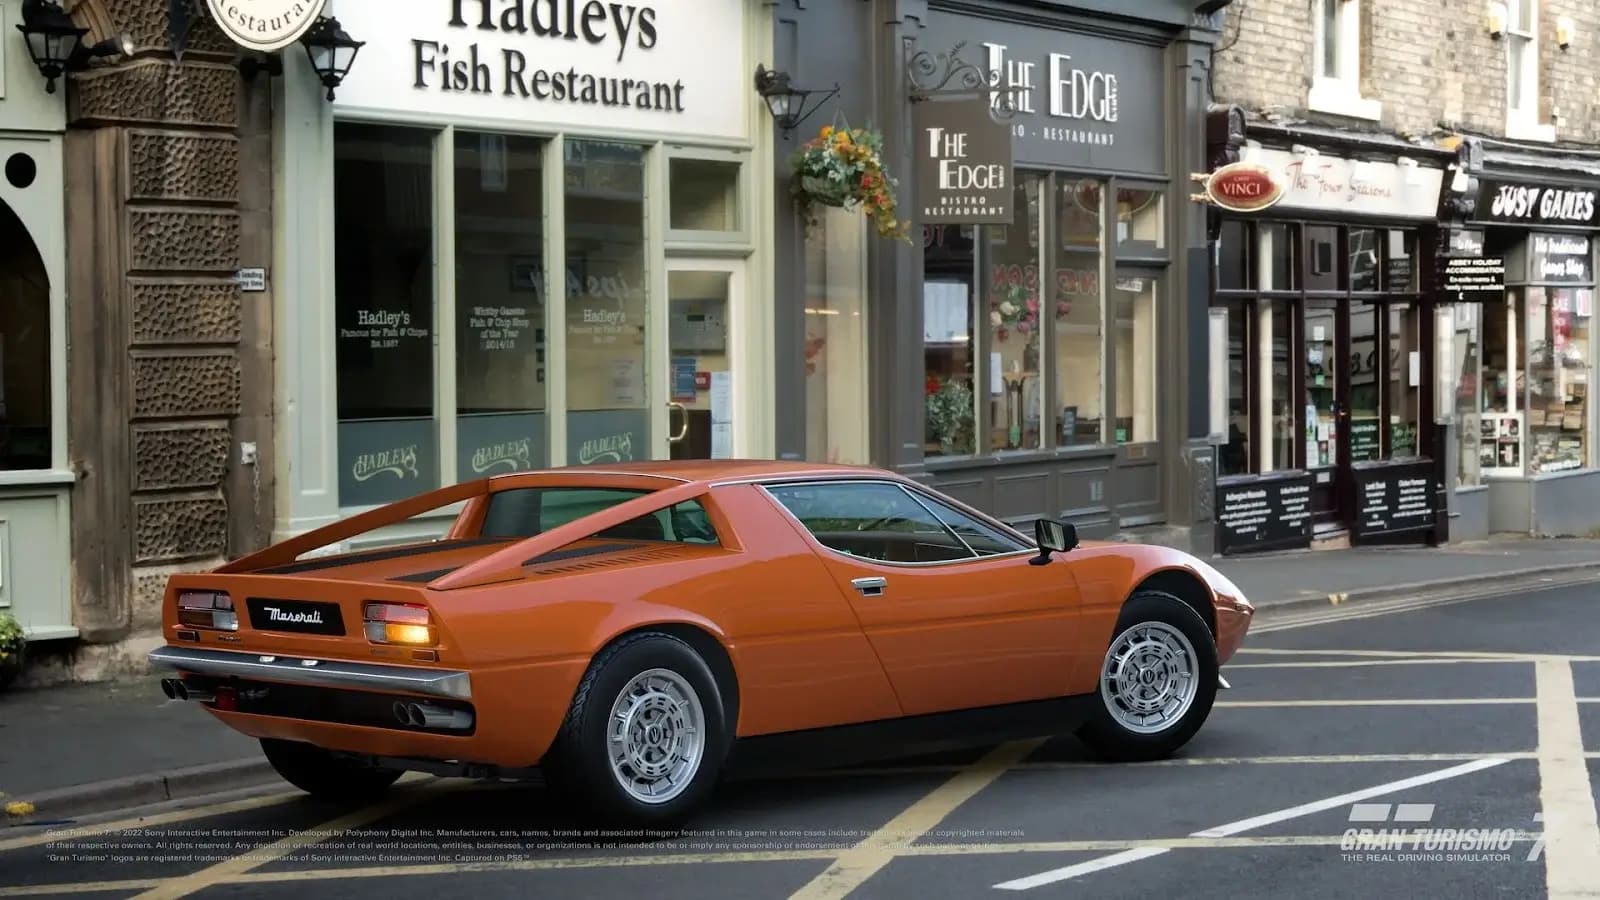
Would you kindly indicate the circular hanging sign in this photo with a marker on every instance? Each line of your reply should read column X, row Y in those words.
column 1243, row 187
column 265, row 25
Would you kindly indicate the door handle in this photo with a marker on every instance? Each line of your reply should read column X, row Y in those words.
column 870, row 587
column 683, row 432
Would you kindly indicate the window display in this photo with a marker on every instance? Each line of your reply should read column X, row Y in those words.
column 1016, row 305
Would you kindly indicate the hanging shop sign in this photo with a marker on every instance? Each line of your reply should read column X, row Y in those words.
column 265, row 25
column 1535, row 204
column 1242, row 187
column 963, row 167
column 1256, row 513
column 567, row 64
column 1394, row 499
column 1474, row 277
column 1074, row 100
column 1332, row 184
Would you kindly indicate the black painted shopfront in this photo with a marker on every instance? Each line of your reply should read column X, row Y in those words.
column 1325, row 302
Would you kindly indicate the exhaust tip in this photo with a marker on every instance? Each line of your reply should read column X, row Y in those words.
column 401, row 714
column 180, row 690
column 168, row 689
column 417, row 718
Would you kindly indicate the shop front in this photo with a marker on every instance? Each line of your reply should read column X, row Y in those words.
column 1524, row 355
column 513, row 239
column 1322, row 329
column 1026, row 351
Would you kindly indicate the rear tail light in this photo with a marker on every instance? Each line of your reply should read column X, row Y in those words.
column 207, row 609
column 399, row 623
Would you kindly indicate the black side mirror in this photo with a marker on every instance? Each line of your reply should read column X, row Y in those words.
column 1053, row 537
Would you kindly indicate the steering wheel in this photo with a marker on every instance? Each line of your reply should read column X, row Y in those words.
column 875, row 523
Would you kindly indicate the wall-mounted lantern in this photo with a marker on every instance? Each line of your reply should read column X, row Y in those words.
column 56, row 42
column 787, row 104
column 332, row 51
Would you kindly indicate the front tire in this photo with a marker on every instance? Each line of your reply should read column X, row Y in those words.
column 1158, row 681
column 645, row 737
column 325, row 776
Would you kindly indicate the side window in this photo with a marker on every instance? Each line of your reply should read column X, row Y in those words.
column 873, row 521
column 985, row 539
column 526, row 512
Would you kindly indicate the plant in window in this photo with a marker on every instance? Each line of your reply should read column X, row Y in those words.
column 13, row 649
column 949, row 411
column 844, row 168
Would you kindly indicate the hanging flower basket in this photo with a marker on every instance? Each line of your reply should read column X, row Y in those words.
column 843, row 168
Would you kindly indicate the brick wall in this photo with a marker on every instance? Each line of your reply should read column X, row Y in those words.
column 1431, row 63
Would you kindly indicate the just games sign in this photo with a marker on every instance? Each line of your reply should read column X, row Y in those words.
column 1081, row 100
column 1533, row 204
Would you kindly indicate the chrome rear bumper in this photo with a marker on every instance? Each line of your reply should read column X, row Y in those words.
column 448, row 683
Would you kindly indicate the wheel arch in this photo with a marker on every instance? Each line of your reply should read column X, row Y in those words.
column 708, row 646
column 1186, row 586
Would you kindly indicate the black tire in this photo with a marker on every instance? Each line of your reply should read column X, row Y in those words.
column 1108, row 736
column 326, row 776
column 578, row 767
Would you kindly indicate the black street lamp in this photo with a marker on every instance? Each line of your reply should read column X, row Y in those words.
column 56, row 43
column 331, row 50
column 786, row 104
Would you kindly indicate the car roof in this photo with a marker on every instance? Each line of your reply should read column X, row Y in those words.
column 706, row 471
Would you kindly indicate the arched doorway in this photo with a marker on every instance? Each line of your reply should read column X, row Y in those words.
column 25, row 371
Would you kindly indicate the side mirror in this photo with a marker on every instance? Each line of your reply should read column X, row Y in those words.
column 1053, row 537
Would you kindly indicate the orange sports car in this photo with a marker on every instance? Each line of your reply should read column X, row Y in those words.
column 633, row 633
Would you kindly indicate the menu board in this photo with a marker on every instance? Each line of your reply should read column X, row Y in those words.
column 1395, row 498
column 1257, row 513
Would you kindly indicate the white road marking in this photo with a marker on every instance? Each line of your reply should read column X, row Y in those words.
column 1243, row 825
column 1417, row 701
column 1369, row 812
column 1572, row 835
column 1372, row 663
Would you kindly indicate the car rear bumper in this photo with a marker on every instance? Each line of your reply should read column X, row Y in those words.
column 448, row 684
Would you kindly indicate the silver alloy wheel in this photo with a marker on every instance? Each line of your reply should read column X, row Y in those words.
column 655, row 737
column 1150, row 677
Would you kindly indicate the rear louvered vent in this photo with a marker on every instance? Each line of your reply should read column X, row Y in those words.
column 608, row 562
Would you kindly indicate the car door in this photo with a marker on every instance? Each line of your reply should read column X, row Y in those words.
column 958, row 616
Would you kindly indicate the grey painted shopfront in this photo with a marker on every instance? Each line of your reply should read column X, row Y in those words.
column 1038, row 368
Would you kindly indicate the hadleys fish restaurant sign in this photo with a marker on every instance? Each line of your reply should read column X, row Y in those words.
column 1240, row 187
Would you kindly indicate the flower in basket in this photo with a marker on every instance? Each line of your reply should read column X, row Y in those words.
column 13, row 648
column 843, row 168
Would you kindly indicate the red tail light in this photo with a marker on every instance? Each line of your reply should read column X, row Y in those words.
column 399, row 623
column 207, row 609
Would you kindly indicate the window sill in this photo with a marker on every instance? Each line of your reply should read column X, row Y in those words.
column 1529, row 130
column 1341, row 98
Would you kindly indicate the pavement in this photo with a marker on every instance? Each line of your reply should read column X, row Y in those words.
column 54, row 749
column 1445, row 751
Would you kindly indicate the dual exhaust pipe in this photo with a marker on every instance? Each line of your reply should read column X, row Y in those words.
column 175, row 689
column 425, row 715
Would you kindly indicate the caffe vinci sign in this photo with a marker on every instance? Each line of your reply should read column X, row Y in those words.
column 601, row 65
column 1081, row 100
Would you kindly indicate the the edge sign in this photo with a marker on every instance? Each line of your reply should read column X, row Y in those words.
column 963, row 164
column 1242, row 187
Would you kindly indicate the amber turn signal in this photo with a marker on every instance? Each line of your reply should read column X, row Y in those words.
column 399, row 623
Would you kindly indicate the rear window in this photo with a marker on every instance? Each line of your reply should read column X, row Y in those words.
column 526, row 512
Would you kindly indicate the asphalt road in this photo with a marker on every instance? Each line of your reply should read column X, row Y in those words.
column 1474, row 717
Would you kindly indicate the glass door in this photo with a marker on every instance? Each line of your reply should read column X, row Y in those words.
column 703, row 392
column 1323, row 373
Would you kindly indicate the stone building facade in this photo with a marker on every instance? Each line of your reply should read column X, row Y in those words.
column 1409, row 138
column 167, row 162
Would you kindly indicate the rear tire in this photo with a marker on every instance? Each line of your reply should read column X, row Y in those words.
column 1158, row 681
column 645, row 738
column 325, row 776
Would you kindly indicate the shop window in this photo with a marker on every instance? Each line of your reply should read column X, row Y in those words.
column 1522, row 72
column 1336, row 73
column 1320, row 321
column 1233, row 256
column 1136, row 353
column 1017, row 303
column 1363, row 260
column 1278, row 407
column 1079, row 341
column 1500, row 410
column 703, row 195
column 1275, row 250
column 499, row 305
column 1400, row 262
column 947, row 340
column 608, row 415
column 836, row 339
column 1405, row 380
column 384, row 312
column 1324, row 271
column 1141, row 225
column 25, row 402
column 1558, row 378
column 1234, row 456
column 1468, row 379
column 1367, row 376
